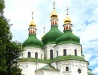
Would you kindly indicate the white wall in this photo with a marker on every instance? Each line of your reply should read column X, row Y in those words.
column 33, row 50
column 47, row 50
column 29, row 68
column 70, row 49
column 48, row 72
column 73, row 65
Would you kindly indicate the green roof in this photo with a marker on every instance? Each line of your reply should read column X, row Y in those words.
column 69, row 57
column 32, row 41
column 68, row 37
column 35, row 60
column 48, row 67
column 89, row 73
column 60, row 58
column 52, row 35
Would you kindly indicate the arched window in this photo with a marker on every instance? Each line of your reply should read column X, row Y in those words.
column 36, row 55
column 51, row 54
column 29, row 54
column 64, row 52
column 75, row 52
column 67, row 68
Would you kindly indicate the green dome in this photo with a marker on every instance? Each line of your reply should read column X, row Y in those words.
column 52, row 35
column 68, row 37
column 32, row 41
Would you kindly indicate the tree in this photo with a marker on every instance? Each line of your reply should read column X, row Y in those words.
column 9, row 51
column 13, row 50
column 1, row 6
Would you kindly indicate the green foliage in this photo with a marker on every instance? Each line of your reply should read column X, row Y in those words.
column 14, row 70
column 13, row 50
column 9, row 51
column 1, row 6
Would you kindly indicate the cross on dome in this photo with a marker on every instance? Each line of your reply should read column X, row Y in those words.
column 32, row 14
column 32, row 24
column 54, row 5
column 67, row 10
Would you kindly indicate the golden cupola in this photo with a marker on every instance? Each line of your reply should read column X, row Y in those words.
column 32, row 24
column 67, row 20
column 54, row 13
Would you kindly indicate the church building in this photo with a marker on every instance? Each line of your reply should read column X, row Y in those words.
column 57, row 53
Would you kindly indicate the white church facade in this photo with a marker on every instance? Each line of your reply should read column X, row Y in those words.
column 58, row 53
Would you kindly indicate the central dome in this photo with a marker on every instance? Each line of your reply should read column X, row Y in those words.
column 68, row 37
column 32, row 41
column 51, row 36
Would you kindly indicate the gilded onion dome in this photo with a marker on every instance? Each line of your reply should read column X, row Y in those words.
column 67, row 36
column 54, row 14
column 32, row 24
column 67, row 20
column 32, row 40
column 54, row 33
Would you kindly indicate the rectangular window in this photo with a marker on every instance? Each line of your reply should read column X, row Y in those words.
column 67, row 68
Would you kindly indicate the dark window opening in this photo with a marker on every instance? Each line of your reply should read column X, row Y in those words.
column 51, row 54
column 36, row 55
column 75, row 52
column 67, row 68
column 79, row 71
column 29, row 54
column 64, row 52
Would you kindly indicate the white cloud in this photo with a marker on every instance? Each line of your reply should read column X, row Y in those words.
column 94, row 61
column 87, row 56
column 95, row 71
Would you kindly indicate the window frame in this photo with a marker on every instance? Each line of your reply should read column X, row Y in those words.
column 51, row 54
column 67, row 68
column 75, row 52
column 29, row 54
column 36, row 54
column 64, row 52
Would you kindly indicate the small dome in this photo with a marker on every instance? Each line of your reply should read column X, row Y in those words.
column 68, row 37
column 32, row 41
column 51, row 36
column 32, row 24
column 54, row 14
column 67, row 20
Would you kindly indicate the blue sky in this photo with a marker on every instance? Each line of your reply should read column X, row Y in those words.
column 83, row 13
